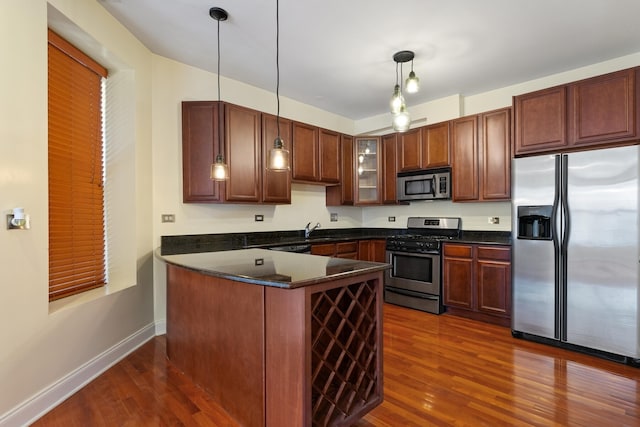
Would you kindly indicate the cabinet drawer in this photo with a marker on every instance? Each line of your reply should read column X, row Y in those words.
column 494, row 253
column 346, row 247
column 464, row 251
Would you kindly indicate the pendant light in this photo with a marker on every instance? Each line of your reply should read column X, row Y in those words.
column 278, row 155
column 219, row 170
column 401, row 120
column 397, row 100
column 413, row 83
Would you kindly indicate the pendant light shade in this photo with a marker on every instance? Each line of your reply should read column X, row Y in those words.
column 219, row 170
column 397, row 100
column 401, row 120
column 278, row 155
column 413, row 83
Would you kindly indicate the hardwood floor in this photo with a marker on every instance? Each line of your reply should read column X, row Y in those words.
column 438, row 370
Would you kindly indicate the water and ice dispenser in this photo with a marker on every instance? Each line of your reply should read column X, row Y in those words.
column 534, row 222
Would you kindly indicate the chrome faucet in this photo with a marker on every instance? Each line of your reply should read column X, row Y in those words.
column 307, row 230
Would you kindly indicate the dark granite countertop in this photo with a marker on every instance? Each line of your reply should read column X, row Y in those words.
column 272, row 268
column 185, row 244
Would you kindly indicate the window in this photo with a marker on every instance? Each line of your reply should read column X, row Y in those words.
column 76, row 171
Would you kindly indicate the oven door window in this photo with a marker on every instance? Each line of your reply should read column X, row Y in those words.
column 406, row 266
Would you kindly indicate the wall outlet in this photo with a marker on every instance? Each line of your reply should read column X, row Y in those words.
column 168, row 218
column 391, row 219
column 334, row 217
column 494, row 220
column 259, row 218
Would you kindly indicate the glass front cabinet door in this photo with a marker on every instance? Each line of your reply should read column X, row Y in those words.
column 368, row 166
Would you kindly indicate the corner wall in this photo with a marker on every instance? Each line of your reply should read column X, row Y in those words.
column 44, row 355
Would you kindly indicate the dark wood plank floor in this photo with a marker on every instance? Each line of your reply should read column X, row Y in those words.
column 438, row 370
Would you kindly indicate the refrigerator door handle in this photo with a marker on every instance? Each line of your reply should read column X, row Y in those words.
column 557, row 244
column 566, row 229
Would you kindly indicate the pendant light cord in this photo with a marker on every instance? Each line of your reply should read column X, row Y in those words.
column 219, row 106
column 278, row 68
column 396, row 73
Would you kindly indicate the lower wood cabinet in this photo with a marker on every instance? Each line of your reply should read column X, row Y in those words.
column 477, row 281
column 365, row 250
column 338, row 250
column 372, row 250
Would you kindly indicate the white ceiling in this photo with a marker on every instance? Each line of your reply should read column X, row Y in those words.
column 337, row 54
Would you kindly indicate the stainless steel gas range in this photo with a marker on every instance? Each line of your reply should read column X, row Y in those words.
column 414, row 279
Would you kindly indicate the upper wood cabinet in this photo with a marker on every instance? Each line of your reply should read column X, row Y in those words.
column 316, row 154
column 304, row 156
column 368, row 175
column 603, row 109
column 389, row 169
column 410, row 150
column 465, row 159
column 481, row 151
column 342, row 194
column 435, row 145
column 329, row 154
column 243, row 148
column 245, row 152
column 424, row 147
column 495, row 152
column 199, row 151
column 592, row 112
column 540, row 121
column 276, row 185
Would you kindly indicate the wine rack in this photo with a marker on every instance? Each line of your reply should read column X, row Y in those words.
column 344, row 352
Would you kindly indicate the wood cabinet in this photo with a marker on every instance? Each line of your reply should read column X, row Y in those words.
column 316, row 154
column 481, row 156
column 477, row 281
column 410, row 150
column 368, row 177
column 243, row 149
column 373, row 250
column 389, row 169
column 200, row 146
column 365, row 249
column 435, row 145
column 261, row 354
column 338, row 249
column 424, row 147
column 342, row 194
column 247, row 137
column 597, row 111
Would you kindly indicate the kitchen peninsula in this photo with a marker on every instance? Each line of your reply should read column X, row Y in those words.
column 278, row 338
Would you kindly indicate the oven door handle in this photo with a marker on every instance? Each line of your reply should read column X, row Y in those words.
column 411, row 293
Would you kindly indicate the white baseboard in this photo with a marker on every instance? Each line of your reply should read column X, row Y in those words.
column 161, row 327
column 48, row 398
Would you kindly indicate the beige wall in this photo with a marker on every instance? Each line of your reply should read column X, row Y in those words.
column 42, row 347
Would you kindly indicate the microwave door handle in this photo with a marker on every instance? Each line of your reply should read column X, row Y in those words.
column 433, row 186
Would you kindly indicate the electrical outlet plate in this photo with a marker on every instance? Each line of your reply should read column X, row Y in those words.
column 259, row 218
column 391, row 219
column 494, row 220
column 168, row 218
column 334, row 217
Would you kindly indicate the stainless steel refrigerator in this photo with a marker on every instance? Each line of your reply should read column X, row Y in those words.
column 575, row 250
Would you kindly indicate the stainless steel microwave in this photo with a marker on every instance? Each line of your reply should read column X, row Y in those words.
column 428, row 184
